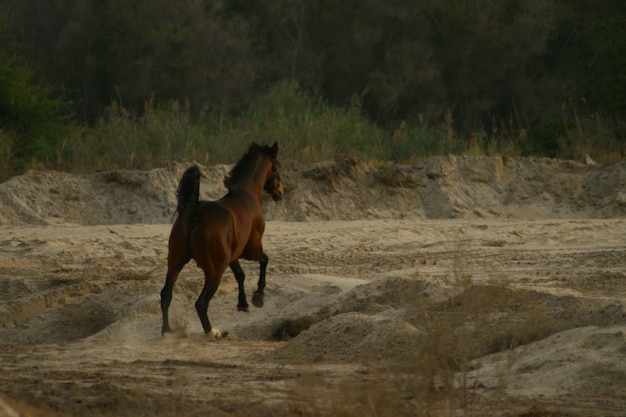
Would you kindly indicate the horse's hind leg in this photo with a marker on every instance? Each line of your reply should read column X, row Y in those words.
column 240, row 276
column 166, row 298
column 211, row 282
column 178, row 255
column 176, row 260
column 257, row 297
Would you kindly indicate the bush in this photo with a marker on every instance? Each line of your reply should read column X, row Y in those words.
column 30, row 116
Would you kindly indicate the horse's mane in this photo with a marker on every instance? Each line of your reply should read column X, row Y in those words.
column 245, row 165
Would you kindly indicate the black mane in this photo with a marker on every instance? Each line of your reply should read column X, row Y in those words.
column 246, row 163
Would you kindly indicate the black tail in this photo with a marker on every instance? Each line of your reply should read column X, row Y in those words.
column 188, row 192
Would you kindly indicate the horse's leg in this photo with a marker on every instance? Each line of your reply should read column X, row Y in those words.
column 240, row 276
column 166, row 299
column 211, row 283
column 257, row 297
column 166, row 292
column 178, row 254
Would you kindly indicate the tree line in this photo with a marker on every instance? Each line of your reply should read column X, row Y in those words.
column 487, row 65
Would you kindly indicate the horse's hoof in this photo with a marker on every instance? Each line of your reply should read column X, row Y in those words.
column 216, row 334
column 258, row 299
column 243, row 308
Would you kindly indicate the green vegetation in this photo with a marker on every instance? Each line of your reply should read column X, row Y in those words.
column 306, row 129
column 110, row 83
column 31, row 122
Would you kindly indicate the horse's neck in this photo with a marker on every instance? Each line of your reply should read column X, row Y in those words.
column 255, row 183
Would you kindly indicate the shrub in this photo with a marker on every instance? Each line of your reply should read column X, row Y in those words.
column 29, row 114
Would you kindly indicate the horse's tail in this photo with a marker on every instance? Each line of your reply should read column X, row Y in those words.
column 188, row 192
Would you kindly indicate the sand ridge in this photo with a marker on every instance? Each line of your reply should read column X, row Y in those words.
column 439, row 188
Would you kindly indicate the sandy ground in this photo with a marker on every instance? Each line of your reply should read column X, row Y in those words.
column 452, row 295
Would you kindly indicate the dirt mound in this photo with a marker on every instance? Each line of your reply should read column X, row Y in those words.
column 113, row 197
column 572, row 363
column 454, row 187
column 442, row 187
column 387, row 320
column 354, row 337
column 63, row 310
column 488, row 319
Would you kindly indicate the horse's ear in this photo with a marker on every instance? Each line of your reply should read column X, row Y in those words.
column 275, row 149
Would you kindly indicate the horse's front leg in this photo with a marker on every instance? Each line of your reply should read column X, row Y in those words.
column 240, row 276
column 257, row 297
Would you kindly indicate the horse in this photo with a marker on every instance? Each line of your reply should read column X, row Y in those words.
column 216, row 234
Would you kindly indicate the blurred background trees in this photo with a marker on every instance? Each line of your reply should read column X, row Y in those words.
column 537, row 71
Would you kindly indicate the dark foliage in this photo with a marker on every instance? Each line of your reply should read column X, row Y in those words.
column 472, row 65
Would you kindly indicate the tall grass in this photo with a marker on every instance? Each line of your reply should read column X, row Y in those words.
column 590, row 133
column 308, row 129
column 121, row 139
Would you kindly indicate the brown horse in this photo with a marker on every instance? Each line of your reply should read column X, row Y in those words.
column 216, row 234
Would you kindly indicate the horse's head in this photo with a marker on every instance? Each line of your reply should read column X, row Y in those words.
column 273, row 185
